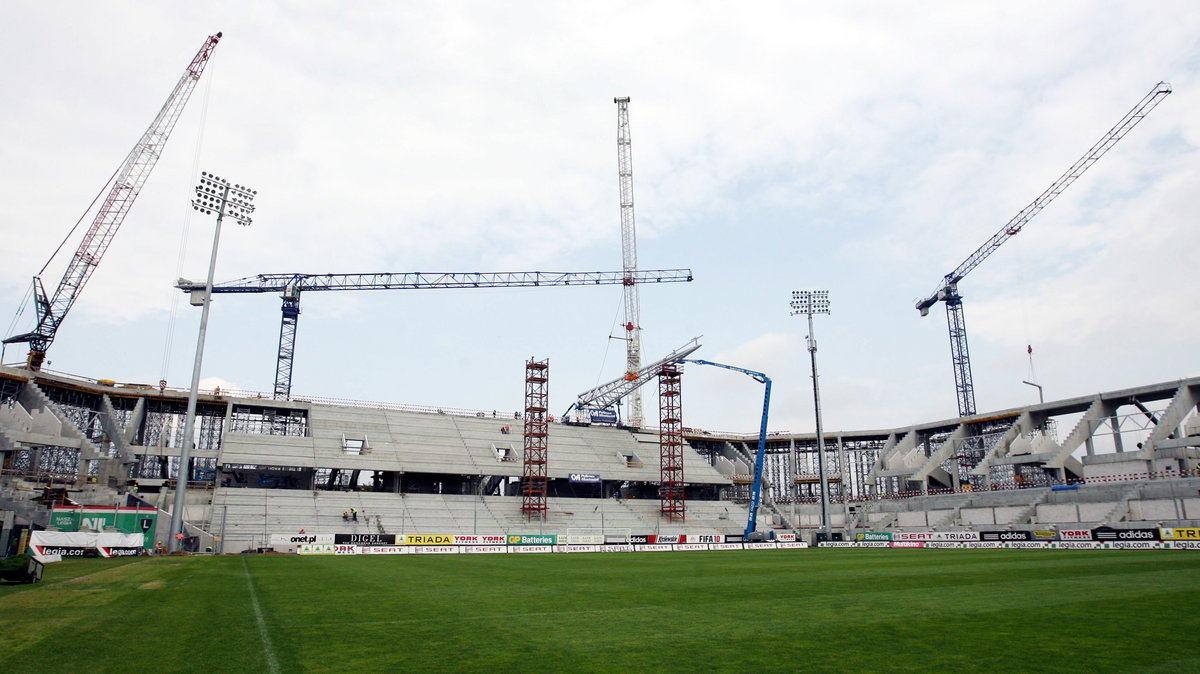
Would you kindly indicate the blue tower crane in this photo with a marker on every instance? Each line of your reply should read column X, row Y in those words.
column 756, row 487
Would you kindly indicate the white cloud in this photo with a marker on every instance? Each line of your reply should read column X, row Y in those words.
column 863, row 148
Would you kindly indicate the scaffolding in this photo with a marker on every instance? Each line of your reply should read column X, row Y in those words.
column 535, row 477
column 670, row 438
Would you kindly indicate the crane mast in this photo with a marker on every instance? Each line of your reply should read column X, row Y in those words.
column 291, row 285
column 947, row 290
column 633, row 326
column 51, row 310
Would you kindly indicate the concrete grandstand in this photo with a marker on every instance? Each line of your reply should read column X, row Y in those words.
column 263, row 467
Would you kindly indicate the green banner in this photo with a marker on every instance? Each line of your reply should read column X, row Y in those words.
column 873, row 536
column 107, row 518
column 534, row 539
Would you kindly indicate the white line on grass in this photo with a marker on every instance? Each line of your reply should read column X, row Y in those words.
column 458, row 618
column 272, row 663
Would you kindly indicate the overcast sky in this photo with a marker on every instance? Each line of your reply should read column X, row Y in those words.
column 861, row 148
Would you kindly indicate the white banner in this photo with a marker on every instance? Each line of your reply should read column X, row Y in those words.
column 435, row 550
column 725, row 546
column 345, row 549
column 315, row 549
column 703, row 538
column 531, row 548
column 785, row 538
column 484, row 549
column 579, row 548
column 655, row 547
column 585, row 539
column 384, row 550
column 961, row 536
column 760, row 546
column 480, row 540
column 690, row 546
column 793, row 546
column 618, row 547
column 288, row 540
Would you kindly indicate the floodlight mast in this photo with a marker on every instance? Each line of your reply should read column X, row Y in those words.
column 947, row 291
column 214, row 195
column 809, row 302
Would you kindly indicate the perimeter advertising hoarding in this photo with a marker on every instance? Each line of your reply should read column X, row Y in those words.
column 364, row 539
column 702, row 538
column 127, row 520
column 85, row 544
column 479, row 540
column 285, row 540
column 534, row 539
column 1180, row 534
column 1005, row 536
column 425, row 539
column 960, row 536
column 1109, row 534
column 873, row 536
column 584, row 478
column 1075, row 534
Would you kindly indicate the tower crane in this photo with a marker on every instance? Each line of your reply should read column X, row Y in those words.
column 756, row 489
column 126, row 184
column 947, row 290
column 633, row 326
column 291, row 285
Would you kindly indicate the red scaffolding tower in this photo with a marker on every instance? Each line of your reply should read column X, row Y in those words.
column 670, row 438
column 534, row 478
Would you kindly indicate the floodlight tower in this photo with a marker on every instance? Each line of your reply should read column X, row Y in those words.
column 811, row 302
column 633, row 327
column 213, row 195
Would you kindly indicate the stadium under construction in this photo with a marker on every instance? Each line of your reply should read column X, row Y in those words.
column 238, row 471
column 78, row 453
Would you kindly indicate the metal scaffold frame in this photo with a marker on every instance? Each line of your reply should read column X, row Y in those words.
column 537, row 431
column 671, row 442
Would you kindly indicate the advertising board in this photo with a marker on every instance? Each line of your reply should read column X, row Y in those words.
column 1180, row 534
column 1119, row 535
column 479, row 540
column 532, row 539
column 1005, row 536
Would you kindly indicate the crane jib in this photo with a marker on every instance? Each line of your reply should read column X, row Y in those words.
column 947, row 291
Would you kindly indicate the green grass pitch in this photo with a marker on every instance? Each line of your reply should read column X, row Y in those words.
column 787, row 610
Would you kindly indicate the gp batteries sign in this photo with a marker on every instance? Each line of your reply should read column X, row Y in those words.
column 538, row 539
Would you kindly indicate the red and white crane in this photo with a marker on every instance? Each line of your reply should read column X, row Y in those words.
column 633, row 327
column 125, row 186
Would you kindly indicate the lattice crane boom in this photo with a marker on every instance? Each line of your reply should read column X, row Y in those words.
column 606, row 395
column 127, row 184
column 947, row 290
column 633, row 309
column 291, row 285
